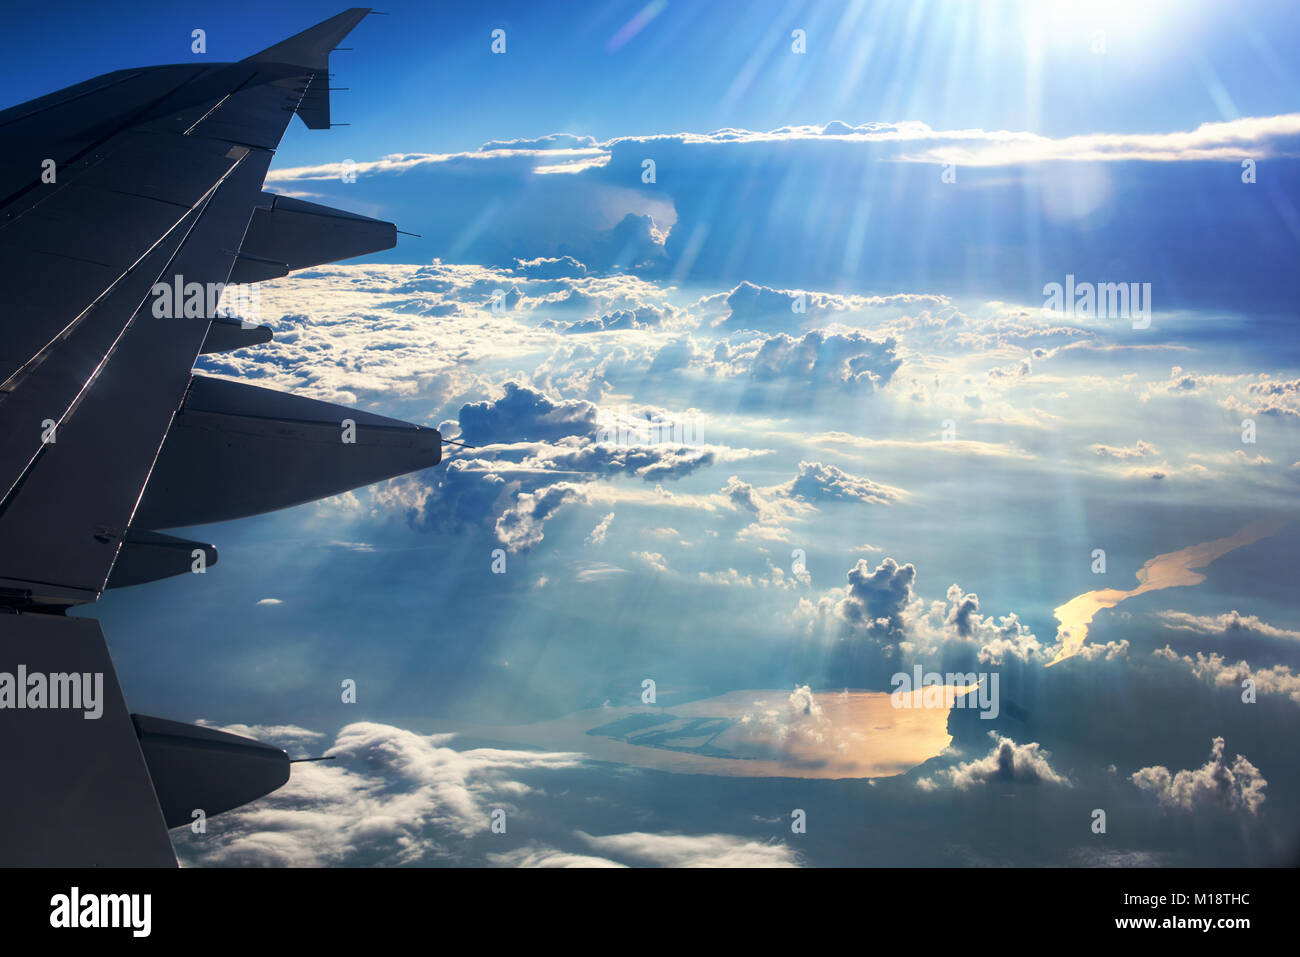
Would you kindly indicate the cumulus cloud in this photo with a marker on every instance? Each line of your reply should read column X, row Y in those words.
column 881, row 606
column 654, row 559
column 817, row 482
column 532, row 454
column 521, row 525
column 877, row 598
column 845, row 359
column 391, row 797
column 769, row 506
column 1235, row 786
column 1006, row 762
column 1110, row 651
column 802, row 725
column 1215, row 670
column 522, row 414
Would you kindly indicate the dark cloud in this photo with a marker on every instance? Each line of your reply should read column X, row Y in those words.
column 878, row 598
column 524, row 415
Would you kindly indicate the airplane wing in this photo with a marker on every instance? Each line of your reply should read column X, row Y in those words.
column 126, row 203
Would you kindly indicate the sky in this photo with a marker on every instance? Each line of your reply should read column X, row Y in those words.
column 962, row 341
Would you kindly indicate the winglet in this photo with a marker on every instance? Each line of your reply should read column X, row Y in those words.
column 311, row 48
column 310, row 51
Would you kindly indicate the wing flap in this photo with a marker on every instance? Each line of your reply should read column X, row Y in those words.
column 225, row 335
column 150, row 557
column 288, row 234
column 236, row 450
column 202, row 769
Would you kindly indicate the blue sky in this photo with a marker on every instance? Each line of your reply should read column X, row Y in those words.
column 895, row 452
column 430, row 82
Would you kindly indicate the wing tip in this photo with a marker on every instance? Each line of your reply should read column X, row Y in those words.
column 311, row 48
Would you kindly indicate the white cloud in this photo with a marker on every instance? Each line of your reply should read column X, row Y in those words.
column 392, row 797
column 1235, row 786
column 1229, row 624
column 1006, row 762
column 692, row 850
column 597, row 536
column 1214, row 669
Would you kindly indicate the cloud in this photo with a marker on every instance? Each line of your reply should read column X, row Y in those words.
column 1235, row 786
column 877, row 599
column 964, row 447
column 764, row 533
column 554, row 267
column 269, row 601
column 555, row 141
column 996, row 640
column 881, row 606
column 1110, row 651
column 763, row 308
column 1215, row 670
column 522, row 414
column 1244, row 138
column 501, row 203
column 817, row 482
column 1137, row 451
column 770, row 506
column 687, row 850
column 776, row 577
column 391, row 797
column 649, row 462
column 540, row 855
column 642, row 849
column 1110, row 857
column 844, row 359
column 1230, row 624
column 521, row 525
column 597, row 536
column 653, row 559
column 623, row 319
column 1007, row 762
column 533, row 454
column 288, row 736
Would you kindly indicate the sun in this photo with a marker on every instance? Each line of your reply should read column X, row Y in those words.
column 1049, row 23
